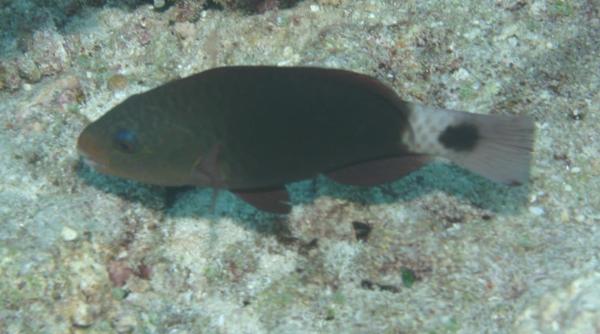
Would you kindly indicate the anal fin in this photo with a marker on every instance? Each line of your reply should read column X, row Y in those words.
column 276, row 200
column 376, row 172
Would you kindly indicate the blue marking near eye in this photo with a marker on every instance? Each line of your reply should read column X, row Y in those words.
column 126, row 140
column 125, row 135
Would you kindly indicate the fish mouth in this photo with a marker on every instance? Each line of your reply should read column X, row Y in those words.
column 91, row 162
column 91, row 154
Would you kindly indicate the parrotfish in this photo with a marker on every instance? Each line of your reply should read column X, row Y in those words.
column 253, row 129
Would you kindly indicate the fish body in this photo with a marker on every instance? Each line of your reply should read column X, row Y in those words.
column 252, row 129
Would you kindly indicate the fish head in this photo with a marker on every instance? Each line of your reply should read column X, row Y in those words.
column 140, row 140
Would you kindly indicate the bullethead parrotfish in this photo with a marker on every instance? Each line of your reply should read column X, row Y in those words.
column 253, row 129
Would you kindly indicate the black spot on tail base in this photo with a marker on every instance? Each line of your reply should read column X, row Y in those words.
column 461, row 137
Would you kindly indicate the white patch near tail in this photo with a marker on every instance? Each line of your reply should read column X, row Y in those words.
column 497, row 147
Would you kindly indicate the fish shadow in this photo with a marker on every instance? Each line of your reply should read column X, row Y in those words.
column 199, row 202
column 437, row 177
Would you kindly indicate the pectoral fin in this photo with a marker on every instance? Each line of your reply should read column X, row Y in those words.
column 205, row 171
column 376, row 172
column 275, row 200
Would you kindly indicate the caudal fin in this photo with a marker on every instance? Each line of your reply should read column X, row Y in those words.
column 501, row 149
column 497, row 147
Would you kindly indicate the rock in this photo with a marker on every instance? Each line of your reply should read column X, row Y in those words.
column 117, row 82
column 184, row 30
column 68, row 234
column 83, row 316
column 330, row 2
column 574, row 308
column 119, row 272
column 125, row 323
column 9, row 76
column 536, row 210
column 29, row 70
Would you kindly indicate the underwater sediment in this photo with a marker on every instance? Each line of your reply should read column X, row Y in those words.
column 441, row 250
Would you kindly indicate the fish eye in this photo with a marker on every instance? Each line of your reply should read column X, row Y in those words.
column 126, row 141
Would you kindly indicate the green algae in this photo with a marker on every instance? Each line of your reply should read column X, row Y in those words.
column 408, row 277
column 279, row 298
column 562, row 8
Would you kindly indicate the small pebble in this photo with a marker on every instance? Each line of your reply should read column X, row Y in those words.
column 330, row 2
column 68, row 234
column 125, row 324
column 536, row 210
column 83, row 316
column 314, row 8
column 462, row 74
column 29, row 70
column 119, row 273
column 159, row 3
column 37, row 127
column 564, row 216
column 117, row 82
column 184, row 30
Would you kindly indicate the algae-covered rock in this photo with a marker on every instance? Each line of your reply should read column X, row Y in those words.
column 574, row 308
column 117, row 82
column 188, row 10
column 330, row 2
column 256, row 5
column 9, row 76
column 29, row 70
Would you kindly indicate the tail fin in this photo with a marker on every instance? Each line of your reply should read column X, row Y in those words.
column 503, row 149
column 497, row 147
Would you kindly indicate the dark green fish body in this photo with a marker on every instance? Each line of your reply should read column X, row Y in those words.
column 257, row 128
column 280, row 127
